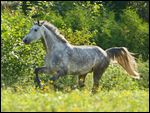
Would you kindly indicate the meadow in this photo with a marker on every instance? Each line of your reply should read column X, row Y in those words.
column 117, row 92
column 76, row 101
column 82, row 23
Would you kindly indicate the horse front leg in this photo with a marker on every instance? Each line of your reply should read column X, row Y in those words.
column 37, row 71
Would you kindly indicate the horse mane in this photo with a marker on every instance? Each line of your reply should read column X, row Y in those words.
column 55, row 30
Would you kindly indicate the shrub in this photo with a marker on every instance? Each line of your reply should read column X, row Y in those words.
column 17, row 59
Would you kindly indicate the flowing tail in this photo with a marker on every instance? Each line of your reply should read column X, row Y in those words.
column 125, row 59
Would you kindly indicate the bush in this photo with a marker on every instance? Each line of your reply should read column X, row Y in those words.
column 130, row 31
column 17, row 59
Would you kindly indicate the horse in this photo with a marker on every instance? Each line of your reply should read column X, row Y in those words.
column 63, row 58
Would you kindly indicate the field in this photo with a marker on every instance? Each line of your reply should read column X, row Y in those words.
column 129, row 101
column 121, row 93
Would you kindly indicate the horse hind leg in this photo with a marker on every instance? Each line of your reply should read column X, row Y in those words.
column 97, row 74
column 81, row 80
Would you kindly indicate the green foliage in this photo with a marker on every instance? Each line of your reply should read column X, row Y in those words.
column 135, row 32
column 116, row 78
column 141, row 7
column 130, row 31
column 17, row 58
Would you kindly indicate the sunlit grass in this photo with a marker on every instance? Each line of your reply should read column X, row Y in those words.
column 117, row 92
column 75, row 100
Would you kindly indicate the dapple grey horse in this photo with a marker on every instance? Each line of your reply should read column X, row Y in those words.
column 62, row 58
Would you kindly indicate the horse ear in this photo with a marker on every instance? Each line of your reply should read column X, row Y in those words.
column 38, row 22
column 42, row 22
column 34, row 22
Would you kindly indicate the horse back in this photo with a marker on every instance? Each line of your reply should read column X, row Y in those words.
column 82, row 59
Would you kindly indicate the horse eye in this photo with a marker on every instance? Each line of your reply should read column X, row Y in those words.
column 35, row 30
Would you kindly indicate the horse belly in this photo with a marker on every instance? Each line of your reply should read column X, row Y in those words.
column 78, row 70
column 80, row 67
column 83, row 60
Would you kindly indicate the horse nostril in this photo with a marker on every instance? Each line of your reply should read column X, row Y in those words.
column 25, row 40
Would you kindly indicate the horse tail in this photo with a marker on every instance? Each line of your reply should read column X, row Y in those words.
column 125, row 59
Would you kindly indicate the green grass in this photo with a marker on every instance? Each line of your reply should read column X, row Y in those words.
column 75, row 100
column 117, row 92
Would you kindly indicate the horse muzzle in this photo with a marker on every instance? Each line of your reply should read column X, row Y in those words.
column 26, row 41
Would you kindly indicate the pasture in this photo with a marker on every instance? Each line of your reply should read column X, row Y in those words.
column 117, row 92
column 75, row 101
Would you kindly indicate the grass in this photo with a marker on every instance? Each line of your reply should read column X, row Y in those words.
column 76, row 100
column 118, row 92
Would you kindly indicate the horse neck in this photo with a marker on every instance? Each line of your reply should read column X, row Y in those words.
column 44, row 44
column 51, row 41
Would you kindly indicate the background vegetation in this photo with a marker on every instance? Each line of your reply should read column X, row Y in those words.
column 106, row 24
